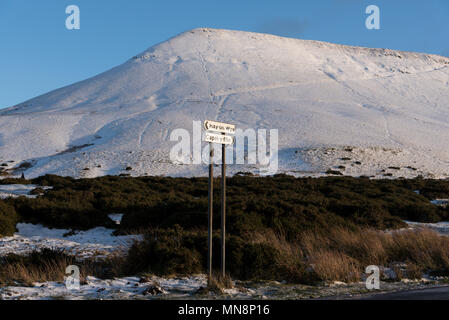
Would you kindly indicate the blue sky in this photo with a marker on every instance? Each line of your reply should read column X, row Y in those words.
column 38, row 54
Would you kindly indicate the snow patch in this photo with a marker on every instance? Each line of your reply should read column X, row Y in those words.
column 94, row 243
column 17, row 190
column 439, row 227
column 119, row 288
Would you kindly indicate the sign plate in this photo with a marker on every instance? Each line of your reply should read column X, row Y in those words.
column 219, row 127
column 218, row 138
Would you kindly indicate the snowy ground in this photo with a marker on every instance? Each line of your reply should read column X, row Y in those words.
column 16, row 190
column 374, row 162
column 440, row 202
column 188, row 288
column 98, row 242
column 439, row 227
column 123, row 288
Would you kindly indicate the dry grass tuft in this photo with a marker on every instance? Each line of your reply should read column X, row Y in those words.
column 50, row 265
column 218, row 282
column 334, row 265
column 342, row 255
column 338, row 255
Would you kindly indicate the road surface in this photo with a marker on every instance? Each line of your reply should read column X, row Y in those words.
column 437, row 293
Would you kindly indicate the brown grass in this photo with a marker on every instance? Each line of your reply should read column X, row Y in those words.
column 338, row 255
column 342, row 255
column 51, row 266
column 290, row 255
column 334, row 265
column 218, row 282
column 19, row 272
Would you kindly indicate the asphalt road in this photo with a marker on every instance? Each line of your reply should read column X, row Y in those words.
column 438, row 293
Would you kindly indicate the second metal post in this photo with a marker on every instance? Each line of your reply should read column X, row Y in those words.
column 210, row 205
column 223, row 210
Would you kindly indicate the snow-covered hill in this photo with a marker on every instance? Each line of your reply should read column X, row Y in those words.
column 358, row 110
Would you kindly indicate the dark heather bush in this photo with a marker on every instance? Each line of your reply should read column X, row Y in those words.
column 8, row 219
column 165, row 252
column 279, row 202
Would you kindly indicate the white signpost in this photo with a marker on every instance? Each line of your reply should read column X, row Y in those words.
column 218, row 138
column 219, row 127
column 223, row 139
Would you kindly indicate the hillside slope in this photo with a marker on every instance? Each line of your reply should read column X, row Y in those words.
column 375, row 108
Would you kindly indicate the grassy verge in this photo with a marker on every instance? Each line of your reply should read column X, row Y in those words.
column 336, row 255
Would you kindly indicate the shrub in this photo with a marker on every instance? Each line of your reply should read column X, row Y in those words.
column 253, row 203
column 74, row 212
column 25, row 165
column 14, row 181
column 37, row 191
column 165, row 252
column 335, row 172
column 8, row 219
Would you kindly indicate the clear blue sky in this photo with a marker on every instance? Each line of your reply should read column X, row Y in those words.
column 38, row 53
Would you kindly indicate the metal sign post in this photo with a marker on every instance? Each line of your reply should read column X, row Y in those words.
column 223, row 139
column 210, row 207
column 223, row 209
